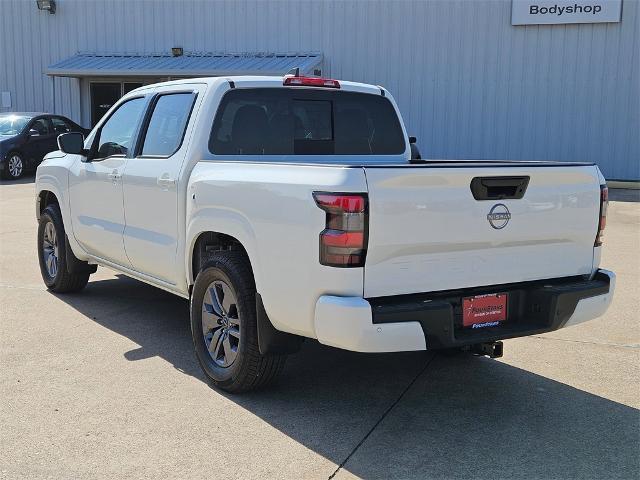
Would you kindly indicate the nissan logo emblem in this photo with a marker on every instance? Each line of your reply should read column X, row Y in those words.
column 499, row 216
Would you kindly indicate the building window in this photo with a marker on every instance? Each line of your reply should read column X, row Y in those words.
column 105, row 94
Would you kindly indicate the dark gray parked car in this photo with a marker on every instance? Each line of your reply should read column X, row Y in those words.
column 26, row 137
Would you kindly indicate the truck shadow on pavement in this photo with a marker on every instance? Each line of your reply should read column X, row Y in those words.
column 461, row 417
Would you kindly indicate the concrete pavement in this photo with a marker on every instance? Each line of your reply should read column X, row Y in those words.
column 104, row 384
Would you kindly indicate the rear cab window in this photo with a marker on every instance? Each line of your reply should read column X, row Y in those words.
column 289, row 121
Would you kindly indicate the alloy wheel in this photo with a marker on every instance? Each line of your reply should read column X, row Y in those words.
column 15, row 166
column 220, row 323
column 50, row 249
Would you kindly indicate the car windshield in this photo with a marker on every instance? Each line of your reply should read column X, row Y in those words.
column 12, row 124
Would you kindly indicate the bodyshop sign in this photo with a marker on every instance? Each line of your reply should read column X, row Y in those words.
column 534, row 12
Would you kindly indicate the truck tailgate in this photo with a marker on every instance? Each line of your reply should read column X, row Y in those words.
column 427, row 232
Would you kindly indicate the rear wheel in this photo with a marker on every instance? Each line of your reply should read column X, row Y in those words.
column 52, row 253
column 13, row 166
column 224, row 328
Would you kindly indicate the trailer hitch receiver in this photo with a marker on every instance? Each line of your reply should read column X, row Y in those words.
column 490, row 349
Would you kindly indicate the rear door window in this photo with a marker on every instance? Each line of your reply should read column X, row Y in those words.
column 167, row 124
column 287, row 121
column 59, row 125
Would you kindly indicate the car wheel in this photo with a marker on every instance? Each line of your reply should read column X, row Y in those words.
column 13, row 166
column 224, row 328
column 52, row 253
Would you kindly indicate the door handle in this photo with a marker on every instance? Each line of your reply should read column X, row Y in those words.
column 165, row 181
column 114, row 176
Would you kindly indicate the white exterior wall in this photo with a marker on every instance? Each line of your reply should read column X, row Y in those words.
column 469, row 84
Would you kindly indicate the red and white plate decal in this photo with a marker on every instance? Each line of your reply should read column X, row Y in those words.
column 484, row 310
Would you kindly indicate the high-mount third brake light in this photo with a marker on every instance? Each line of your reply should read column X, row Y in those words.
column 310, row 82
column 343, row 242
column 602, row 222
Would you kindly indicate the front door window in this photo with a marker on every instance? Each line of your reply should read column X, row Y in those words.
column 41, row 127
column 116, row 135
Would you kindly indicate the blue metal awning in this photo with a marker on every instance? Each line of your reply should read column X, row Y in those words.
column 189, row 64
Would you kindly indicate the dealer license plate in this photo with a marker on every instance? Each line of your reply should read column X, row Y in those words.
column 484, row 310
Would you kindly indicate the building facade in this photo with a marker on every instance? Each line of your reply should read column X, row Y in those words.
column 469, row 82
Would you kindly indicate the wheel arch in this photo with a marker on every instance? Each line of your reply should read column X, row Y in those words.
column 44, row 199
column 15, row 151
column 270, row 340
column 51, row 184
column 207, row 242
column 218, row 228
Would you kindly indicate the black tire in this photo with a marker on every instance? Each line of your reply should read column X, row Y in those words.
column 249, row 370
column 9, row 171
column 58, row 280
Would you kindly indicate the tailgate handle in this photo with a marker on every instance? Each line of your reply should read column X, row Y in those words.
column 499, row 188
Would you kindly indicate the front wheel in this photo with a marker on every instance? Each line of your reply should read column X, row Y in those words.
column 13, row 167
column 224, row 328
column 52, row 253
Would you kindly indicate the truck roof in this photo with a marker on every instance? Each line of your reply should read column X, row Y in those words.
column 257, row 81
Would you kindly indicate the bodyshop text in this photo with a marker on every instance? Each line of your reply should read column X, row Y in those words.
column 558, row 10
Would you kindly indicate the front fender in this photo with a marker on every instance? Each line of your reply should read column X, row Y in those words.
column 52, row 175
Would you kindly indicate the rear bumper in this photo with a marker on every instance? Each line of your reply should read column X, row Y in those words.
column 434, row 321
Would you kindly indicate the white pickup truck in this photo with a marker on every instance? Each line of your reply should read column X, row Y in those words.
column 292, row 207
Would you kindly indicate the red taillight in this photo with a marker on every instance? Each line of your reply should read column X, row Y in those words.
column 343, row 242
column 336, row 238
column 310, row 82
column 604, row 204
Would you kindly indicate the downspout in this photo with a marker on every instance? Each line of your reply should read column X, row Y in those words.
column 53, row 93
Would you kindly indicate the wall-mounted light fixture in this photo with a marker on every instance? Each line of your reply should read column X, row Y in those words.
column 177, row 51
column 49, row 5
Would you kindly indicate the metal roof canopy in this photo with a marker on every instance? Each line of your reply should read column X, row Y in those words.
column 189, row 64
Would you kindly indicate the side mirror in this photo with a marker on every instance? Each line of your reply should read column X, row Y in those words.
column 72, row 142
column 34, row 133
column 413, row 139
